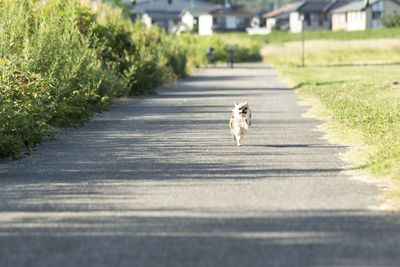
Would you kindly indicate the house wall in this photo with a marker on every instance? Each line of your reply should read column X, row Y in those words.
column 188, row 20
column 315, row 21
column 356, row 20
column 295, row 22
column 270, row 23
column 230, row 22
column 205, row 25
column 391, row 8
column 146, row 20
column 377, row 10
column 339, row 21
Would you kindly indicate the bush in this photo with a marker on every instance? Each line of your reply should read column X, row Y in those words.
column 60, row 60
column 50, row 75
column 245, row 48
column 392, row 21
column 28, row 102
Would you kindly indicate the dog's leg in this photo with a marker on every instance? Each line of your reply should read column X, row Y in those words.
column 238, row 140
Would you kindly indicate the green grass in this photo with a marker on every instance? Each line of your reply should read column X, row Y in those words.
column 360, row 102
column 283, row 36
column 331, row 53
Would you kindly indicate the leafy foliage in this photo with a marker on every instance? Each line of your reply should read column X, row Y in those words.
column 61, row 60
column 392, row 21
column 27, row 104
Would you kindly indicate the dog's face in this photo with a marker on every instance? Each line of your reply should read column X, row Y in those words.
column 241, row 109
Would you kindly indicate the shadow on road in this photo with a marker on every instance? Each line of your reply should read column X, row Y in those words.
column 166, row 237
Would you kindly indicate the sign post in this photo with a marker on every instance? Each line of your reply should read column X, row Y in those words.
column 302, row 40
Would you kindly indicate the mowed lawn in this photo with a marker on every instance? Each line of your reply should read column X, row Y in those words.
column 356, row 87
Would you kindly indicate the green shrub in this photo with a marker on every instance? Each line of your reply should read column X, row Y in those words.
column 245, row 48
column 27, row 104
column 60, row 60
column 392, row 21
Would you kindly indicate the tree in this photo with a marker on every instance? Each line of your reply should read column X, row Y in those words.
column 392, row 21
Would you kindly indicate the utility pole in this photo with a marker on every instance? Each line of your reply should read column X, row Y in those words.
column 302, row 40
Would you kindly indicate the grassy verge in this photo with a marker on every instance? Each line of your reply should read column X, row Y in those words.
column 279, row 37
column 334, row 53
column 361, row 103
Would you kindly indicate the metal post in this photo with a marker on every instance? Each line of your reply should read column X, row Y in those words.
column 302, row 39
column 302, row 48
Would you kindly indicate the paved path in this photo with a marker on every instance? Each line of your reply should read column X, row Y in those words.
column 159, row 182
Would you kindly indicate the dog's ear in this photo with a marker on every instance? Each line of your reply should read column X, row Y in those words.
column 246, row 104
column 235, row 103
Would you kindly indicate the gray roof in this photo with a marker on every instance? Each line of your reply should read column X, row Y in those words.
column 166, row 15
column 321, row 7
column 353, row 6
column 176, row 6
column 357, row 6
column 221, row 10
column 312, row 7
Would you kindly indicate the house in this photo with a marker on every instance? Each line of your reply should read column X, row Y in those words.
column 144, row 18
column 361, row 15
column 279, row 18
column 171, row 16
column 313, row 15
column 224, row 18
column 188, row 19
column 256, row 27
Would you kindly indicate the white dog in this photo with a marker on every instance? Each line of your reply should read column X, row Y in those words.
column 240, row 121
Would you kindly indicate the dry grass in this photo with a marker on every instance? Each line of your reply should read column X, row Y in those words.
column 326, row 53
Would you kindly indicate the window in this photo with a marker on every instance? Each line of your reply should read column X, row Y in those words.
column 376, row 15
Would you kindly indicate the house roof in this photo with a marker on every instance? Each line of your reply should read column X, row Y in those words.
column 336, row 4
column 221, row 10
column 161, row 14
column 283, row 9
column 312, row 7
column 318, row 7
column 353, row 6
column 147, row 6
column 357, row 6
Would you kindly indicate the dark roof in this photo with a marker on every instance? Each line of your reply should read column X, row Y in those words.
column 312, row 7
column 228, row 10
column 161, row 14
column 336, row 4
column 176, row 5
column 357, row 6
column 318, row 7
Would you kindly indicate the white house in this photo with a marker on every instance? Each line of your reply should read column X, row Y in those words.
column 224, row 19
column 175, row 16
column 313, row 15
column 280, row 17
column 205, row 24
column 361, row 15
column 188, row 19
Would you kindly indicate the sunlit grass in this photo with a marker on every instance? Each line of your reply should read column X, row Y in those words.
column 317, row 53
column 361, row 101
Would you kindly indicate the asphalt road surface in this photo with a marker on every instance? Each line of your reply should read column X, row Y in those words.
column 159, row 181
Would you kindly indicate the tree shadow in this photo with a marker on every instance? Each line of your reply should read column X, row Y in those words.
column 167, row 237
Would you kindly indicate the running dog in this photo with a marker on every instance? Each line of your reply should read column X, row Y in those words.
column 240, row 121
